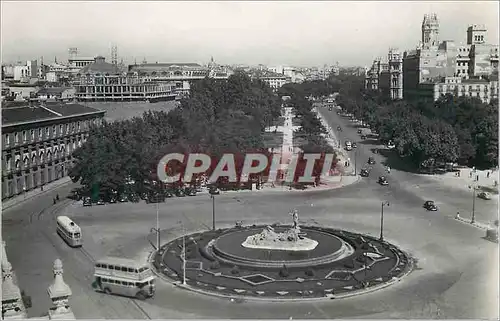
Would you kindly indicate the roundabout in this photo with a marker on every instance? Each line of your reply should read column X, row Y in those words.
column 281, row 262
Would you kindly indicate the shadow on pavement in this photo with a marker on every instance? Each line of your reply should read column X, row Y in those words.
column 393, row 160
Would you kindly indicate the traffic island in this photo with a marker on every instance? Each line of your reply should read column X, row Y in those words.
column 279, row 267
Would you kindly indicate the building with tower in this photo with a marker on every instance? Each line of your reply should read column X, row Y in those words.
column 437, row 67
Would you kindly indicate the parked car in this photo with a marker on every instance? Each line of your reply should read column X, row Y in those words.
column 371, row 160
column 123, row 198
column 134, row 198
column 190, row 191
column 155, row 197
column 363, row 136
column 484, row 195
column 430, row 206
column 87, row 201
column 75, row 194
column 112, row 199
column 214, row 190
column 365, row 172
column 360, row 131
column 383, row 181
column 168, row 194
column 339, row 128
column 179, row 192
column 100, row 201
column 390, row 145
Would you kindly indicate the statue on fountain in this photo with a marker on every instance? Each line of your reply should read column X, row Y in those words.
column 290, row 240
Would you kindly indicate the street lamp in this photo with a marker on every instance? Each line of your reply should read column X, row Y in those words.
column 384, row 203
column 157, row 229
column 213, row 211
column 183, row 254
column 473, row 218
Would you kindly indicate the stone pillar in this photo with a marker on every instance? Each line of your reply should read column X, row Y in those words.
column 12, row 303
column 4, row 253
column 59, row 293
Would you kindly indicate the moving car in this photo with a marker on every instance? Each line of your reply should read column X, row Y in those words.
column 430, row 206
column 339, row 128
column 87, row 201
column 365, row 172
column 383, row 181
column 354, row 145
column 371, row 160
column 363, row 136
column 390, row 145
column 360, row 131
column 348, row 145
column 484, row 195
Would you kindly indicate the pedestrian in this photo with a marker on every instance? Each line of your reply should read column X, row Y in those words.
column 54, row 200
column 388, row 169
column 488, row 174
column 41, row 188
column 57, row 197
column 477, row 178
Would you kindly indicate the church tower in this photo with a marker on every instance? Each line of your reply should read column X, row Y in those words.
column 430, row 31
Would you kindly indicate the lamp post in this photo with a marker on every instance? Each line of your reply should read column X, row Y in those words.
column 213, row 211
column 183, row 254
column 157, row 229
column 355, row 162
column 384, row 203
column 473, row 218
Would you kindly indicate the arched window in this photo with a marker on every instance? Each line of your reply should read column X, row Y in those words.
column 18, row 164
column 33, row 159
column 49, row 156
column 26, row 161
column 41, row 157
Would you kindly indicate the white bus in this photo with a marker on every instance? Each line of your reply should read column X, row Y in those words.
column 348, row 145
column 69, row 231
column 124, row 277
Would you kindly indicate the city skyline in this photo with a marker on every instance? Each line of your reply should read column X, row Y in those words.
column 271, row 33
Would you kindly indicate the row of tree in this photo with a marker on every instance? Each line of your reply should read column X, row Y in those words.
column 218, row 117
column 452, row 129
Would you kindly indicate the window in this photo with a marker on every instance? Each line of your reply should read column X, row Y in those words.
column 131, row 270
column 16, row 138
column 7, row 139
column 32, row 134
column 117, row 268
column 124, row 269
column 54, row 130
column 47, row 131
column 67, row 128
column 24, row 136
column 39, row 133
column 78, row 126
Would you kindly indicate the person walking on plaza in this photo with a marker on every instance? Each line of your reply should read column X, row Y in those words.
column 388, row 169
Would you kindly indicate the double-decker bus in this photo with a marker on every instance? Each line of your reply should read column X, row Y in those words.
column 126, row 277
column 69, row 231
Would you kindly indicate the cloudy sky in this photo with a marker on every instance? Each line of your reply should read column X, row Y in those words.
column 273, row 33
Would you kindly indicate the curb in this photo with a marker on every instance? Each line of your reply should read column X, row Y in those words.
column 476, row 225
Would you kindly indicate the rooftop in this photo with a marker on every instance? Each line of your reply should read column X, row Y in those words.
column 52, row 90
column 100, row 66
column 25, row 114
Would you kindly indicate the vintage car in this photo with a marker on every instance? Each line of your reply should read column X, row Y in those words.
column 484, row 195
column 365, row 172
column 430, row 206
column 371, row 160
column 383, row 181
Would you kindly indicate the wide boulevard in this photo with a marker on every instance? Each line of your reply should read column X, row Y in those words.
column 456, row 274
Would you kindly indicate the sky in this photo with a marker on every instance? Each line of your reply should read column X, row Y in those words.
column 297, row 33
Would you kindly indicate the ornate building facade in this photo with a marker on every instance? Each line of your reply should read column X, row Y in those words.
column 102, row 81
column 434, row 66
column 38, row 142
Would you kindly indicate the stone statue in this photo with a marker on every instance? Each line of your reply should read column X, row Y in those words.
column 290, row 240
column 295, row 217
